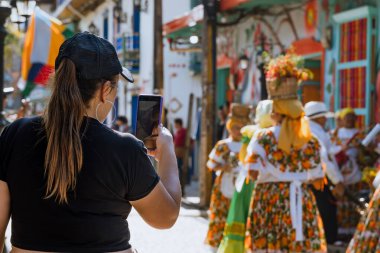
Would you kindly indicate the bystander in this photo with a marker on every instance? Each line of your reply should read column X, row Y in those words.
column 180, row 146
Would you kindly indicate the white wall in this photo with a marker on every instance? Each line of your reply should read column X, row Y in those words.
column 179, row 83
column 146, row 50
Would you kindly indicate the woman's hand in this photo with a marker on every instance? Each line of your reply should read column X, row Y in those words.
column 318, row 184
column 338, row 191
column 253, row 174
column 164, row 143
column 160, row 208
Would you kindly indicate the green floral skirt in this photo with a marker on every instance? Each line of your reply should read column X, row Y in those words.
column 234, row 231
column 269, row 225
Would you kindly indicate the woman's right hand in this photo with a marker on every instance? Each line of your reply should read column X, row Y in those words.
column 164, row 144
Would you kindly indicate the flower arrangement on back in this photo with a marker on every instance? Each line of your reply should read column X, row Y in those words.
column 287, row 68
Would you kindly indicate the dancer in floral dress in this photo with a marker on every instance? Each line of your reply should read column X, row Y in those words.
column 234, row 231
column 283, row 215
column 367, row 235
column 345, row 148
column 224, row 159
column 284, row 159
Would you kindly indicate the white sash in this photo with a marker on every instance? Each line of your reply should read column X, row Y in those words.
column 296, row 179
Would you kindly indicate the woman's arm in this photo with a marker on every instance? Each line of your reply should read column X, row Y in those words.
column 160, row 208
column 5, row 202
column 222, row 167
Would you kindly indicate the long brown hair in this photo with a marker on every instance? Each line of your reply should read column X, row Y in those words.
column 62, row 122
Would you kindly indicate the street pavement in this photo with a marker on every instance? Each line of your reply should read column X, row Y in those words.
column 186, row 236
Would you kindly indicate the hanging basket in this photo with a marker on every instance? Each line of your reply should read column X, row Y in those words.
column 285, row 88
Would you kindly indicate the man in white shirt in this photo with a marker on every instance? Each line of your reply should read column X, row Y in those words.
column 317, row 114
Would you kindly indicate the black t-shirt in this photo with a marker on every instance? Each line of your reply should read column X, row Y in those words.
column 116, row 170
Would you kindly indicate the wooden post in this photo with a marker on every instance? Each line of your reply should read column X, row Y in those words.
column 208, row 130
column 185, row 164
column 158, row 48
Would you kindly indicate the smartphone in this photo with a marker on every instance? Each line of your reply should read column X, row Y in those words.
column 148, row 117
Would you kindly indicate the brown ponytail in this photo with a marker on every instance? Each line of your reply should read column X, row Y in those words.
column 62, row 121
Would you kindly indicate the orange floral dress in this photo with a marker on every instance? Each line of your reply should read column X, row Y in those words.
column 367, row 235
column 270, row 225
column 219, row 205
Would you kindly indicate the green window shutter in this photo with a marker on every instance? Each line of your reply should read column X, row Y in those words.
column 195, row 65
column 222, row 76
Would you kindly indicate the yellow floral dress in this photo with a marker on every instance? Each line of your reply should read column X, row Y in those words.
column 347, row 212
column 367, row 235
column 272, row 225
column 219, row 205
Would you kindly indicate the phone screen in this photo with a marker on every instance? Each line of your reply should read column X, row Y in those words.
column 148, row 116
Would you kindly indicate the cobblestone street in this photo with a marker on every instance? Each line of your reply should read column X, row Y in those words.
column 186, row 236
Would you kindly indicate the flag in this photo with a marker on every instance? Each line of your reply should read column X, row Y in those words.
column 42, row 41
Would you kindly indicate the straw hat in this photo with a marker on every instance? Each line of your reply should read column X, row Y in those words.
column 240, row 112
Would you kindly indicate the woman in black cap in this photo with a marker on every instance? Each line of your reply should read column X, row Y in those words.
column 68, row 181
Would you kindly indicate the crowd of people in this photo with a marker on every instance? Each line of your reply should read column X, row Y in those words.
column 287, row 184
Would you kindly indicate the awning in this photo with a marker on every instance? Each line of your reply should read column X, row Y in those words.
column 79, row 8
column 226, row 5
column 248, row 4
column 190, row 22
column 184, row 25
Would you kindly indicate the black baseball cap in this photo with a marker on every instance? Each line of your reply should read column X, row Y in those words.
column 94, row 57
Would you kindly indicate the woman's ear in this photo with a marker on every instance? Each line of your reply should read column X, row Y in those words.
column 105, row 89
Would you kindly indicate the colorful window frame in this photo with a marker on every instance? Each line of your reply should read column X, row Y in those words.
column 355, row 59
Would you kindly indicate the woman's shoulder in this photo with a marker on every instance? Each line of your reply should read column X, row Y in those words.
column 23, row 124
column 120, row 139
column 266, row 134
column 223, row 145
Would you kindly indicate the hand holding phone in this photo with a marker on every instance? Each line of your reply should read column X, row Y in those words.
column 165, row 144
column 149, row 110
